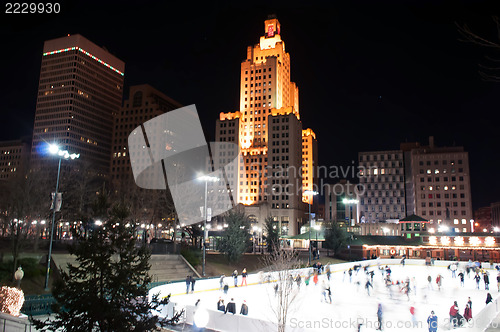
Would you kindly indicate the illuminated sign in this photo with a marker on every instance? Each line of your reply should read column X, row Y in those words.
column 270, row 30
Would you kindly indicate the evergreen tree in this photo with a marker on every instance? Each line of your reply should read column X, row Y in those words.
column 335, row 238
column 272, row 234
column 107, row 290
column 235, row 239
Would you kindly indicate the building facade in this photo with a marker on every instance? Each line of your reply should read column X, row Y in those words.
column 270, row 137
column 14, row 158
column 382, row 179
column 80, row 87
column 482, row 219
column 442, row 186
column 143, row 104
column 429, row 181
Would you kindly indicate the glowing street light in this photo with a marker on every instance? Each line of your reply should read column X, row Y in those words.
column 312, row 193
column 62, row 154
column 207, row 179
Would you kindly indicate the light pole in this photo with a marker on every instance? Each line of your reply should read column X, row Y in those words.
column 54, row 150
column 206, row 178
column 349, row 202
column 312, row 193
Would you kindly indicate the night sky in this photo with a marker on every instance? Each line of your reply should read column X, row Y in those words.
column 371, row 74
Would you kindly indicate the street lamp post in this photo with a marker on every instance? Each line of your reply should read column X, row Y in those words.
column 54, row 149
column 205, row 178
column 312, row 193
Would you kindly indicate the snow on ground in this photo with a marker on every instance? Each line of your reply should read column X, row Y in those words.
column 351, row 303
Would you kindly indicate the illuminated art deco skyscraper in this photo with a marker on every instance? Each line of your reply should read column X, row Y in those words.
column 278, row 154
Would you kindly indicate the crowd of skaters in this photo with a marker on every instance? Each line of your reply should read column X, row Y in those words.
column 406, row 287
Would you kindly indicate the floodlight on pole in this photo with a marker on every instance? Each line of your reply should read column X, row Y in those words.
column 312, row 193
column 62, row 154
column 206, row 178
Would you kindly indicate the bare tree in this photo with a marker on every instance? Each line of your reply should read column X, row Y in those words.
column 490, row 71
column 282, row 265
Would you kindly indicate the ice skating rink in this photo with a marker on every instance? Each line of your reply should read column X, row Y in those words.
column 351, row 305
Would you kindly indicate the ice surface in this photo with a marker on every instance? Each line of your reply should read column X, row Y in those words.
column 351, row 303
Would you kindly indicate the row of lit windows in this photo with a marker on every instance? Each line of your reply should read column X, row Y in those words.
column 258, row 71
column 436, row 162
column 447, row 204
column 283, row 150
column 439, row 213
column 438, row 196
column 446, row 187
column 257, row 77
column 395, row 208
column 380, row 157
column 224, row 124
column 380, row 178
column 445, row 179
column 436, row 171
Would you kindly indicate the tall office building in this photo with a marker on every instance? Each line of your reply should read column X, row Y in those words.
column 143, row 104
column 383, row 183
column 442, row 186
column 80, row 87
column 432, row 182
column 270, row 135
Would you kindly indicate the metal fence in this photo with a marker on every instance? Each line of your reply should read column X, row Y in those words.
column 36, row 305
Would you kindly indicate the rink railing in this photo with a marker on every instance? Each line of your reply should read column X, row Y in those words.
column 481, row 320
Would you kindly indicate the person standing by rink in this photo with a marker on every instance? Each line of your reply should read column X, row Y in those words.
column 193, row 280
column 220, row 305
column 235, row 277
column 498, row 281
column 244, row 308
column 230, row 307
column 432, row 322
column 379, row 317
column 244, row 276
column 221, row 282
column 188, row 284
column 467, row 313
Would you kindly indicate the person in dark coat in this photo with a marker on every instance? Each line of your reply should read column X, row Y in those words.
column 188, row 283
column 235, row 277
column 220, row 305
column 486, row 280
column 432, row 322
column 244, row 308
column 379, row 317
column 488, row 298
column 230, row 307
column 192, row 284
column 467, row 313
